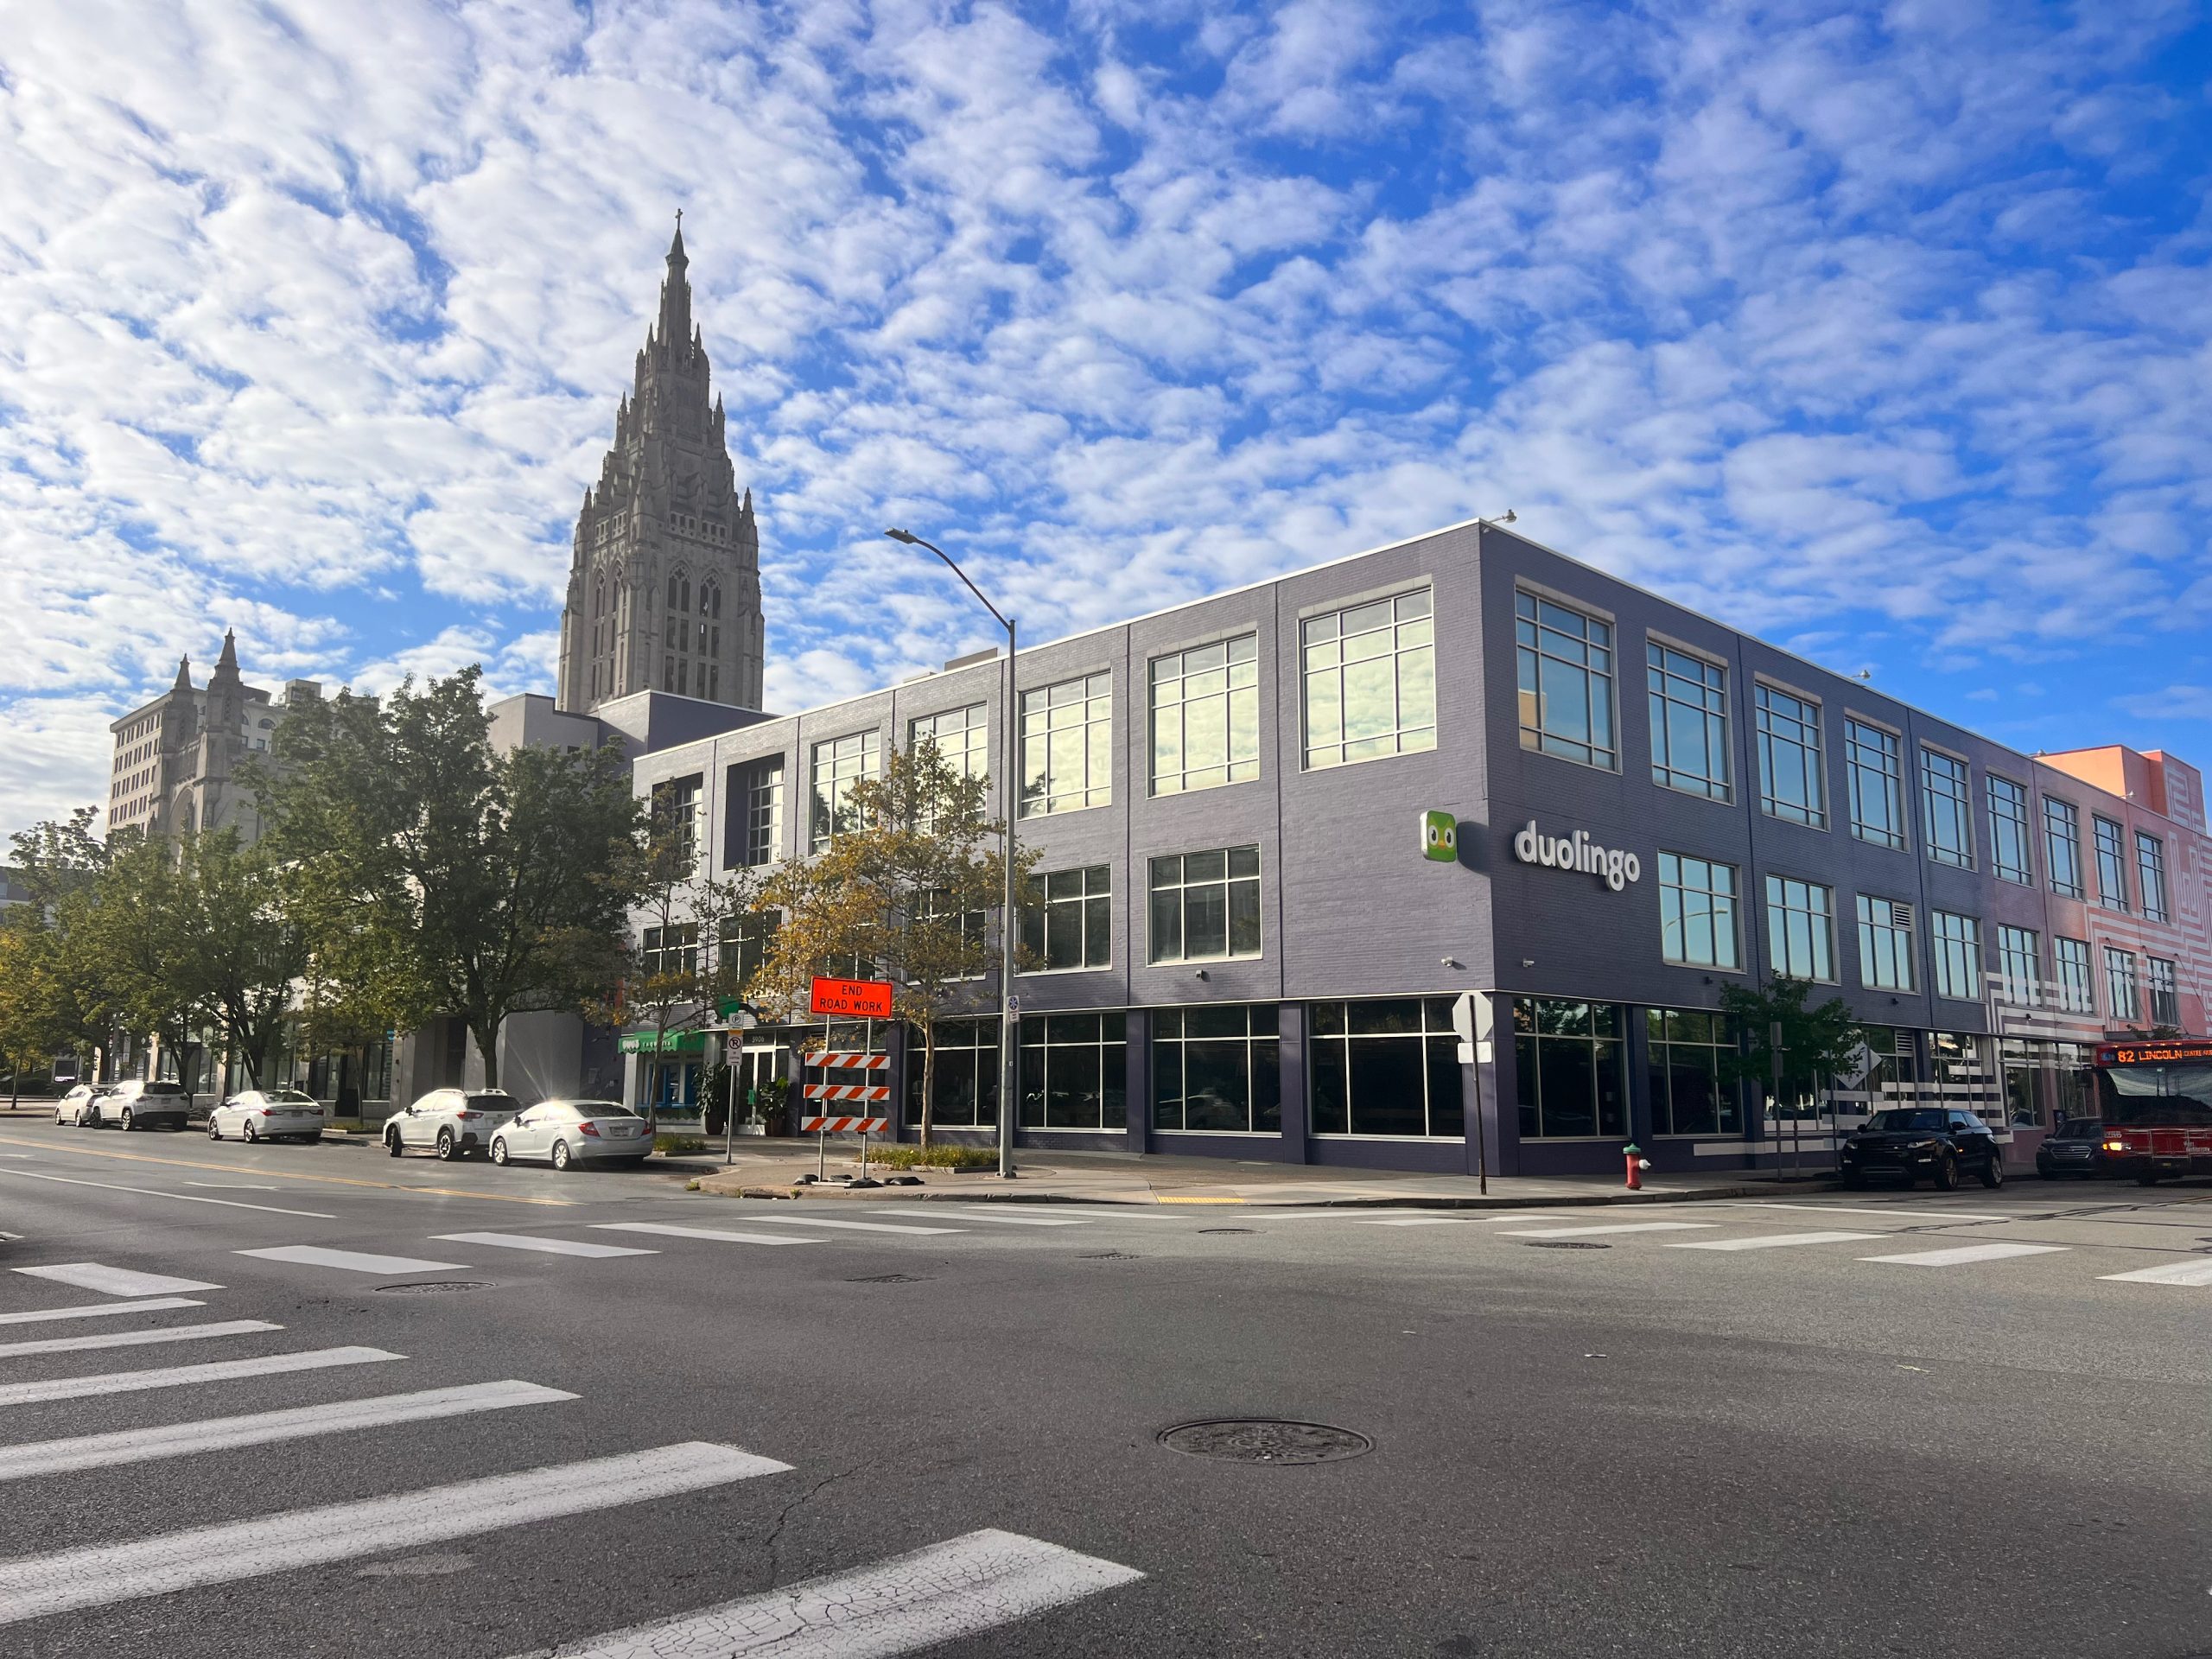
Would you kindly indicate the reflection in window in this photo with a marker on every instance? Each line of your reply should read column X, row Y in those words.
column 838, row 764
column 1690, row 722
column 1205, row 906
column 1790, row 779
column 1946, row 816
column 2008, row 831
column 1689, row 1094
column 1958, row 955
column 2165, row 995
column 1697, row 911
column 1067, row 739
column 961, row 736
column 1216, row 1069
column 2019, row 966
column 2111, row 865
column 1875, row 770
column 2151, row 871
column 2062, row 846
column 1571, row 1068
column 1206, row 716
column 1074, row 1071
column 757, row 801
column 2070, row 961
column 2123, row 997
column 1565, row 663
column 1067, row 919
column 1369, row 681
column 1801, row 929
column 1386, row 1068
column 967, row 1083
column 1885, row 944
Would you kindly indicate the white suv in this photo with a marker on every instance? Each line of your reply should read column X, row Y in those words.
column 453, row 1122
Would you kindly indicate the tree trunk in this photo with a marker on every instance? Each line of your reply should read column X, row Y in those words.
column 488, row 1047
column 929, row 1081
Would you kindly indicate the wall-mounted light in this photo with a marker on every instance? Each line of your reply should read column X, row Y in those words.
column 1201, row 974
column 1451, row 962
column 1527, row 962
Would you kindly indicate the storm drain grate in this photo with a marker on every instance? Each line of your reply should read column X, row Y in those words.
column 435, row 1286
column 1106, row 1256
column 1563, row 1244
column 1265, row 1439
column 887, row 1279
column 1224, row 1230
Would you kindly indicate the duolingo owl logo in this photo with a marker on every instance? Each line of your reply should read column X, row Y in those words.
column 1440, row 837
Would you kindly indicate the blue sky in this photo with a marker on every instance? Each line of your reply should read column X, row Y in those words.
column 1884, row 331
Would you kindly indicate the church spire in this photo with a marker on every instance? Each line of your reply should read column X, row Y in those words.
column 183, row 675
column 675, row 295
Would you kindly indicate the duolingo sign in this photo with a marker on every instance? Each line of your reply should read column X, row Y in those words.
column 1576, row 852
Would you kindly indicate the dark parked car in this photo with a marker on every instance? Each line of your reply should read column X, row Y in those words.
column 2074, row 1147
column 1939, row 1142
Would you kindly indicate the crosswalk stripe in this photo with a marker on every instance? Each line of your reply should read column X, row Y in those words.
column 979, row 1212
column 114, row 1281
column 35, row 1587
column 1911, row 1214
column 1606, row 1227
column 135, row 1338
column 1964, row 1253
column 1413, row 1221
column 264, row 1428
column 1772, row 1241
column 952, row 1590
column 720, row 1235
column 314, row 1256
column 2198, row 1272
column 177, row 1376
column 100, row 1310
column 852, row 1226
column 548, row 1246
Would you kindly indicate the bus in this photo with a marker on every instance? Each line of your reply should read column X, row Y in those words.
column 2155, row 1099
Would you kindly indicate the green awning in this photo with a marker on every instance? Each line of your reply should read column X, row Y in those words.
column 671, row 1042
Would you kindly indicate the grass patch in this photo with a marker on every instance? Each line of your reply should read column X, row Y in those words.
column 679, row 1143
column 936, row 1157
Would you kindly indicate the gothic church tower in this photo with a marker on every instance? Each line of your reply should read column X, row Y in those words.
column 665, row 591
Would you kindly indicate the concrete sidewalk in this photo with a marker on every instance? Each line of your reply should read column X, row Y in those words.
column 771, row 1169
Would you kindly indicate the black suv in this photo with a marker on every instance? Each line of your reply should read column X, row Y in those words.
column 2074, row 1147
column 1940, row 1143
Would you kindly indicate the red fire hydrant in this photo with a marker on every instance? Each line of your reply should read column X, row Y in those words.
column 1637, row 1163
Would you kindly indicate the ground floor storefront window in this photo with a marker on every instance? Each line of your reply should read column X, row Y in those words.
column 1965, row 1074
column 1216, row 1069
column 1386, row 1068
column 1570, row 1066
column 966, row 1075
column 1689, row 1093
column 1075, row 1072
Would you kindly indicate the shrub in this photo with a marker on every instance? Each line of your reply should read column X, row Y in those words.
column 936, row 1157
column 678, row 1143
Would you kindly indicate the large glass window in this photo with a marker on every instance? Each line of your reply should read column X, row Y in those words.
column 838, row 764
column 1067, row 746
column 1791, row 783
column 2070, row 961
column 2008, row 831
column 1067, row 919
column 1075, row 1072
column 2165, row 993
column 1571, row 1068
column 962, row 735
column 1885, row 944
column 676, row 812
column 1565, row 663
column 671, row 950
column 967, row 1083
column 744, row 942
column 2123, row 997
column 2061, row 847
column 756, row 811
column 1946, row 808
column 1874, row 766
column 2019, row 966
column 1697, row 912
column 2151, row 872
column 1370, row 679
column 1689, row 1094
column 1958, row 955
column 1215, row 1071
column 1386, row 1068
column 1690, row 722
column 2111, row 864
column 1205, row 906
column 1801, row 929
column 1206, row 716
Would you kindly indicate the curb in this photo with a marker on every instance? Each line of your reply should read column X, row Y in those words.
column 1575, row 1201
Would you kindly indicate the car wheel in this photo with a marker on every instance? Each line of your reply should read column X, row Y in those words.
column 1947, row 1173
column 448, row 1148
column 214, row 1130
column 314, row 1140
column 127, row 1124
column 392, row 1142
column 1855, row 1181
column 561, row 1158
column 252, row 1133
column 1992, row 1172
column 498, row 1152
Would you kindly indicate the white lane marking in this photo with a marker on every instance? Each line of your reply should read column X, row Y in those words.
column 36, row 1587
column 956, row 1589
column 137, row 1338
column 980, row 1212
column 1414, row 1221
column 1773, row 1241
column 178, row 1376
column 100, row 1310
column 1606, row 1227
column 1864, row 1209
column 235, row 1187
column 154, row 1192
column 2198, row 1272
column 852, row 1226
column 114, row 1281
column 549, row 1246
column 1965, row 1254
column 721, row 1235
column 314, row 1256
column 264, row 1428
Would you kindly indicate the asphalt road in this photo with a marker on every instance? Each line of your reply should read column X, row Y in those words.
column 1638, row 1449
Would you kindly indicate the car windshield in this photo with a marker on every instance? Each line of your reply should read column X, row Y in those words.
column 1906, row 1118
column 2172, row 1095
column 600, row 1109
column 287, row 1098
column 2078, row 1128
column 161, row 1089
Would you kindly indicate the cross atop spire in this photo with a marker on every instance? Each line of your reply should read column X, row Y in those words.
column 676, row 248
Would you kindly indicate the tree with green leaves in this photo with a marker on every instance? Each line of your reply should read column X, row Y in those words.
column 244, row 952
column 496, row 877
column 58, row 995
column 141, row 938
column 907, row 889
column 1817, row 1041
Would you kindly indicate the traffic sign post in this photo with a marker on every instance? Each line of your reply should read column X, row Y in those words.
column 826, row 1059
column 1473, row 1021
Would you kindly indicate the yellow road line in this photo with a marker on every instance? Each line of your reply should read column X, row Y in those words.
column 291, row 1175
column 1164, row 1199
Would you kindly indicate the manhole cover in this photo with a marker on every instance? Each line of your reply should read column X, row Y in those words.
column 886, row 1279
column 1265, row 1439
column 1224, row 1230
column 1563, row 1244
column 435, row 1286
column 1106, row 1256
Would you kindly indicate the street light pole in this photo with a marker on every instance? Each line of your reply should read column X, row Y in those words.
column 1009, row 1057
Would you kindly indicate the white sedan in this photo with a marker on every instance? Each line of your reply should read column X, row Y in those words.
column 269, row 1115
column 75, row 1108
column 566, row 1133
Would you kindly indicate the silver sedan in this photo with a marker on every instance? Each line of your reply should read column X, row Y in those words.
column 566, row 1133
column 269, row 1115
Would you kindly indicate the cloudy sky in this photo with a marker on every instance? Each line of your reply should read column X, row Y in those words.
column 1884, row 331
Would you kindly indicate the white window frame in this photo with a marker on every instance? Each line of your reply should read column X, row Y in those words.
column 1715, row 902
column 1669, row 687
column 1411, row 655
column 1238, row 697
column 1815, row 814
column 822, row 812
column 1878, row 923
column 1090, row 697
column 1954, row 949
column 1819, row 926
